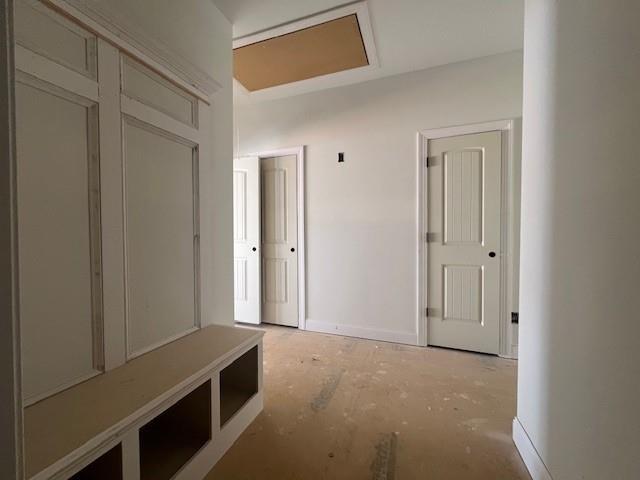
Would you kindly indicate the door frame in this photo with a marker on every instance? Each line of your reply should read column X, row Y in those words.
column 299, row 152
column 508, row 280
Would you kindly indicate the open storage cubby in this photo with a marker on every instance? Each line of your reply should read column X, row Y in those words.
column 172, row 438
column 162, row 407
column 238, row 383
column 106, row 467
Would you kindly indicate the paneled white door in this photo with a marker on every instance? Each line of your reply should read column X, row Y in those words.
column 463, row 288
column 279, row 241
column 246, row 239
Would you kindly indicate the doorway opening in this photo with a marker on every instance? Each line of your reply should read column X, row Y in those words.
column 269, row 240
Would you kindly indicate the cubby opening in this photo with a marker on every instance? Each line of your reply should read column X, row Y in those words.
column 170, row 440
column 238, row 383
column 106, row 467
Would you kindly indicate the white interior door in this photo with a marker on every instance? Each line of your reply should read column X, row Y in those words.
column 280, row 241
column 463, row 288
column 246, row 239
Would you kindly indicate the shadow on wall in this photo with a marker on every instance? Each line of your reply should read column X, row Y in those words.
column 579, row 360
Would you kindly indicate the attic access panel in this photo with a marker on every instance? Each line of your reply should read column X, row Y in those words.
column 322, row 49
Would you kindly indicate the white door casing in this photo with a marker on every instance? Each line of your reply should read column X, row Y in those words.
column 463, row 279
column 246, row 239
column 279, row 240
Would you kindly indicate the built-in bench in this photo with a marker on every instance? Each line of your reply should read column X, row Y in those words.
column 168, row 414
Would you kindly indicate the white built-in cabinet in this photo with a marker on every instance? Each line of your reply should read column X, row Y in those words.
column 108, row 203
column 119, row 379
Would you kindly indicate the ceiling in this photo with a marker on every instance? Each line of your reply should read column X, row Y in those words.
column 409, row 35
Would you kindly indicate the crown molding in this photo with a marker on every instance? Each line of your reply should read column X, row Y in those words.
column 107, row 22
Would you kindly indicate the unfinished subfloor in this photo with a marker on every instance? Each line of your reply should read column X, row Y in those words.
column 344, row 408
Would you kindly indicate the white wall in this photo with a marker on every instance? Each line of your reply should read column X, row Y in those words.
column 579, row 368
column 198, row 31
column 194, row 29
column 361, row 214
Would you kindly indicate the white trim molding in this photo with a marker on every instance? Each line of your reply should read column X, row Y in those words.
column 11, row 438
column 299, row 152
column 530, row 456
column 407, row 338
column 52, row 72
column 360, row 9
column 507, row 221
column 104, row 20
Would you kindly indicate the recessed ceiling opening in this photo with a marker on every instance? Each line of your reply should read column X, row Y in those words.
column 322, row 49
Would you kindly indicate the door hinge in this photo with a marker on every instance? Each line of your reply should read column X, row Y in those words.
column 428, row 312
column 430, row 237
column 430, row 161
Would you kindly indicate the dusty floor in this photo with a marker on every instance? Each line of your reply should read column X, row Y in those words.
column 343, row 408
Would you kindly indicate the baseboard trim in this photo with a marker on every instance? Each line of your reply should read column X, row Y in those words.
column 407, row 338
column 530, row 457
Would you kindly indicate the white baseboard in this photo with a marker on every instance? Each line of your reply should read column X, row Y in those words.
column 535, row 465
column 407, row 338
column 512, row 354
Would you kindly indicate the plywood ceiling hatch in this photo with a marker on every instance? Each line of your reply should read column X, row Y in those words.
column 322, row 49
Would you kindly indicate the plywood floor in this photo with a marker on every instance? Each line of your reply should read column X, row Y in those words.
column 343, row 408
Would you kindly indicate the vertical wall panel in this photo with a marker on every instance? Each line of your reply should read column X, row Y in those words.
column 161, row 257
column 55, row 238
column 111, row 204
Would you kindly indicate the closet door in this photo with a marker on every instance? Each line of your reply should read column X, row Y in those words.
column 280, row 241
column 246, row 239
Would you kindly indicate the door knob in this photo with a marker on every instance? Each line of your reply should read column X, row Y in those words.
column 293, row 249
column 254, row 249
column 492, row 254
